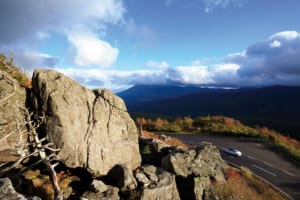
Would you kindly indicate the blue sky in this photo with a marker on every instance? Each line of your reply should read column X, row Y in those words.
column 116, row 44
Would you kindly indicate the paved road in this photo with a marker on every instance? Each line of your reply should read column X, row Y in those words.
column 261, row 160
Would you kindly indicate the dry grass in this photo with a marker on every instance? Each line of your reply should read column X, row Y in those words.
column 236, row 188
column 42, row 185
column 169, row 140
column 7, row 65
column 242, row 185
column 263, row 188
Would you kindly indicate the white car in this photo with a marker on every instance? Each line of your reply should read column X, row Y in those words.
column 233, row 151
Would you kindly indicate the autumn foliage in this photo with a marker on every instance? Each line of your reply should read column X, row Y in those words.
column 169, row 140
column 226, row 126
column 165, row 125
column 241, row 184
column 7, row 65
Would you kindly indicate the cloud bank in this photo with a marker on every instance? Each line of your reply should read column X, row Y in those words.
column 275, row 61
column 31, row 22
column 83, row 26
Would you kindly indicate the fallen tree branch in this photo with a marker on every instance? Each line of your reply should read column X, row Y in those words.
column 33, row 147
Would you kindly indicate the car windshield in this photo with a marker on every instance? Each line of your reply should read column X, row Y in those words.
column 232, row 149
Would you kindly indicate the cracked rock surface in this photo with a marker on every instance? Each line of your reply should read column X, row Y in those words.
column 91, row 127
column 12, row 101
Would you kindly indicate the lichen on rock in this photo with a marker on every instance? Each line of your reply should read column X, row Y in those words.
column 91, row 127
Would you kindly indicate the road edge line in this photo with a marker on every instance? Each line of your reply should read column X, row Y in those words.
column 272, row 185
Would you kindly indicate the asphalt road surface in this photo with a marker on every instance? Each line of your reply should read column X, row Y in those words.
column 257, row 157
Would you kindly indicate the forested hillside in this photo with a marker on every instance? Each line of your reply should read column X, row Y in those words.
column 276, row 107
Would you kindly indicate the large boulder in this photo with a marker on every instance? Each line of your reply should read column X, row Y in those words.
column 12, row 105
column 156, row 183
column 206, row 162
column 91, row 127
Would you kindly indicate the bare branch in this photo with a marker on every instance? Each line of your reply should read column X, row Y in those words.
column 39, row 149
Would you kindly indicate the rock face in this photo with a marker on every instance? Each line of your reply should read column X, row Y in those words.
column 91, row 127
column 8, row 192
column 157, row 184
column 196, row 162
column 102, row 192
column 12, row 101
column 194, row 170
column 122, row 177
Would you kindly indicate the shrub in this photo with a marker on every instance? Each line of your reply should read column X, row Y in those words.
column 15, row 72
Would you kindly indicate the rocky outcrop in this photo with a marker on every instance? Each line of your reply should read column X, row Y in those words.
column 98, row 147
column 91, row 127
column 157, row 184
column 201, row 187
column 122, row 177
column 101, row 192
column 194, row 170
column 8, row 192
column 197, row 162
column 12, row 102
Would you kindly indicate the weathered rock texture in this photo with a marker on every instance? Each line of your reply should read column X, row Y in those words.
column 7, row 191
column 122, row 177
column 194, row 170
column 105, row 192
column 157, row 184
column 196, row 162
column 12, row 101
column 91, row 127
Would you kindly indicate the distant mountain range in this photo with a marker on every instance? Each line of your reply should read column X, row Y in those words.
column 277, row 107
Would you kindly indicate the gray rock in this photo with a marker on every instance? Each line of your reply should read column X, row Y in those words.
column 162, row 184
column 219, row 177
column 110, row 194
column 201, row 187
column 92, row 128
column 12, row 101
column 99, row 186
column 156, row 145
column 7, row 191
column 141, row 178
column 151, row 172
column 204, row 162
column 123, row 178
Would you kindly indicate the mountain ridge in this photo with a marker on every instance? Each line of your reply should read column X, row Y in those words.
column 275, row 106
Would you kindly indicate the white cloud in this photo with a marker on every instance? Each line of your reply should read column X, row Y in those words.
column 275, row 44
column 193, row 75
column 92, row 51
column 274, row 61
column 206, row 61
column 113, row 79
column 29, row 60
column 31, row 21
column 289, row 35
column 29, row 17
column 217, row 75
column 265, row 63
column 161, row 65
column 212, row 4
